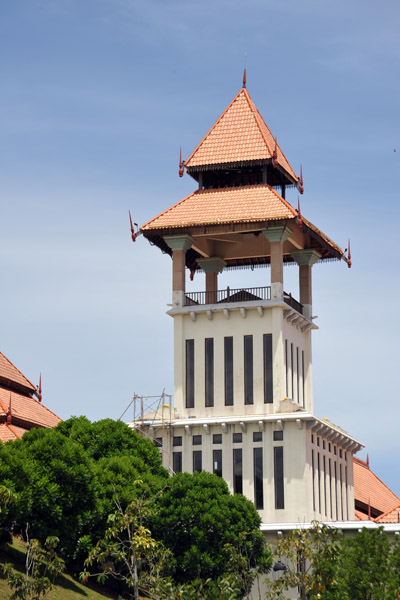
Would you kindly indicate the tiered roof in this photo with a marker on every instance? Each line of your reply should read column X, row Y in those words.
column 20, row 411
column 238, row 165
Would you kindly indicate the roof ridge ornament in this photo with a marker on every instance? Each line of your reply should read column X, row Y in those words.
column 275, row 154
column 299, row 219
column 180, row 163
column 244, row 72
column 132, row 229
column 301, row 180
column 9, row 413
column 40, row 388
column 349, row 256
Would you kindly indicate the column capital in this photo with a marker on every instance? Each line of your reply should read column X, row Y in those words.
column 179, row 242
column 214, row 264
column 277, row 233
column 305, row 257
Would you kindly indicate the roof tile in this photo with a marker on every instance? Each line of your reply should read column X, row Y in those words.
column 10, row 372
column 239, row 135
column 370, row 490
column 27, row 409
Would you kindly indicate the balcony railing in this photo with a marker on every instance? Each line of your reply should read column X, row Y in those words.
column 228, row 295
column 238, row 295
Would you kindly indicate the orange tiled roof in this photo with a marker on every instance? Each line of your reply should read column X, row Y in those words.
column 391, row 516
column 11, row 373
column 224, row 205
column 10, row 432
column 27, row 410
column 239, row 135
column 370, row 490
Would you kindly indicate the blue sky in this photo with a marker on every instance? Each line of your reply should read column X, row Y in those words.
column 96, row 98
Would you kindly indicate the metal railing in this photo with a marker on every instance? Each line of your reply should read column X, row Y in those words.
column 288, row 299
column 228, row 295
column 238, row 295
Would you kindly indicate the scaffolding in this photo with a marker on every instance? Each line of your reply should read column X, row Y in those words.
column 150, row 413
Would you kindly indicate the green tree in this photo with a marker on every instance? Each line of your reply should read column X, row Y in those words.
column 42, row 566
column 196, row 517
column 369, row 567
column 310, row 557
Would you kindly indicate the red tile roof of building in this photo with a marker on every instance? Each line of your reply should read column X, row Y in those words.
column 10, row 373
column 391, row 516
column 239, row 135
column 26, row 410
column 10, row 433
column 370, row 490
column 224, row 205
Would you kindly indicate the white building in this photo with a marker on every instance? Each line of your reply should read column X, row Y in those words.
column 243, row 397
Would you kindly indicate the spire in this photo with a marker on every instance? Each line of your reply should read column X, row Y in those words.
column 368, row 460
column 299, row 219
column 9, row 415
column 40, row 388
column 349, row 256
column 301, row 180
column 275, row 154
column 180, row 163
column 132, row 230
column 244, row 72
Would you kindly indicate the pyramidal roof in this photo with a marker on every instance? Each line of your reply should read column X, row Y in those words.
column 240, row 135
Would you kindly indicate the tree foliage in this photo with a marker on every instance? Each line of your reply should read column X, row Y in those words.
column 310, row 557
column 196, row 517
column 369, row 567
column 42, row 566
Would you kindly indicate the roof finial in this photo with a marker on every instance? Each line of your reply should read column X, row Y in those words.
column 244, row 72
column 349, row 256
column 180, row 163
column 40, row 388
column 301, row 180
column 132, row 230
column 368, row 460
column 275, row 154
column 9, row 415
column 299, row 219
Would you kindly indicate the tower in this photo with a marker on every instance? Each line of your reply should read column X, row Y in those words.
column 243, row 394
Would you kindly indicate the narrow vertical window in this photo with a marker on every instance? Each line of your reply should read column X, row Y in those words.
column 248, row 369
column 347, row 494
column 292, row 371
column 287, row 368
column 336, row 495
column 330, row 486
column 228, row 358
column 278, row 477
column 258, row 478
column 341, row 491
column 209, row 371
column 319, row 482
column 197, row 462
column 177, row 462
column 268, row 387
column 237, row 471
column 302, row 377
column 325, row 499
column 189, row 373
column 313, row 478
column 298, row 375
column 217, row 462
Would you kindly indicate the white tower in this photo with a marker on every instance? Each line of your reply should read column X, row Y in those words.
column 243, row 398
